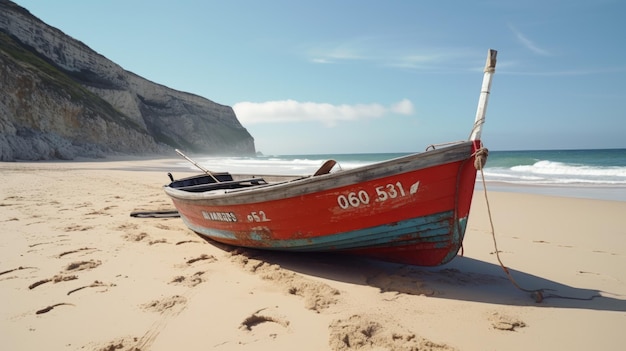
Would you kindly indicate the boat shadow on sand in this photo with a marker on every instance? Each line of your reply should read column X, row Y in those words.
column 464, row 279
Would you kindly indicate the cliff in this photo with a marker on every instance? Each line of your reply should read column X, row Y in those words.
column 60, row 100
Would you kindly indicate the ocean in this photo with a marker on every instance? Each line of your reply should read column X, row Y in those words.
column 596, row 174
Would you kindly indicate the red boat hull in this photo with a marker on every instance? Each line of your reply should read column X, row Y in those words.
column 411, row 210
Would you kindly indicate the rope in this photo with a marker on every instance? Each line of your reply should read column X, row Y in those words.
column 477, row 124
column 480, row 158
column 434, row 146
column 539, row 294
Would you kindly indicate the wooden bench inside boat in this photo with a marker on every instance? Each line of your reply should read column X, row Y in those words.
column 202, row 179
column 233, row 184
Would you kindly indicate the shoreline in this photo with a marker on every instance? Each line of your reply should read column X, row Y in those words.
column 179, row 168
column 591, row 192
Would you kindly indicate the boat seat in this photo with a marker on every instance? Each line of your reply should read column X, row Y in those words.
column 234, row 184
column 200, row 179
column 326, row 167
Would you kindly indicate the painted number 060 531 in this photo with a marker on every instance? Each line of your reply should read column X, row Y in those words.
column 353, row 199
column 389, row 191
column 361, row 197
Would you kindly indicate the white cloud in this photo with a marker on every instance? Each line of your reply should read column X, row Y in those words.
column 375, row 51
column 528, row 43
column 404, row 107
column 286, row 111
column 351, row 50
column 321, row 60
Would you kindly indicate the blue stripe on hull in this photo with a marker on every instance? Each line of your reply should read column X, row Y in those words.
column 437, row 228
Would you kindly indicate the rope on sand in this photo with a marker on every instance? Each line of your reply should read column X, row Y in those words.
column 538, row 294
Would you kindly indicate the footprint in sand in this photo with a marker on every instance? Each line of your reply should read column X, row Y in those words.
column 136, row 236
column 127, row 226
column 263, row 324
column 16, row 269
column 189, row 242
column 37, row 244
column 49, row 308
column 95, row 284
column 124, row 343
column 83, row 265
column 84, row 204
column 173, row 303
column 162, row 226
column 77, row 228
column 158, row 241
column 168, row 307
column 14, row 198
column 263, row 316
column 359, row 332
column 203, row 257
column 505, row 322
column 56, row 279
column 76, row 251
column 46, row 243
column 98, row 213
column 72, row 267
column 317, row 295
column 190, row 281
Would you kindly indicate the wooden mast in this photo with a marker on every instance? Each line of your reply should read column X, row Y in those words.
column 490, row 69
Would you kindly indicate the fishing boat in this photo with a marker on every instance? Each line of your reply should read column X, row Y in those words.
column 411, row 210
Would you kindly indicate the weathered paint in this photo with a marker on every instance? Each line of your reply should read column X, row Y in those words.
column 432, row 231
column 411, row 210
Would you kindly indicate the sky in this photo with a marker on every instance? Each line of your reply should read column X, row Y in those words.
column 364, row 76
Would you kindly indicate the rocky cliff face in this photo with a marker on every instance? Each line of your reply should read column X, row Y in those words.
column 59, row 100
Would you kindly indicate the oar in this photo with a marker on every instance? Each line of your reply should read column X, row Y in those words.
column 197, row 165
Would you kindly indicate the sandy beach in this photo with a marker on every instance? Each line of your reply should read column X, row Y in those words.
column 77, row 272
